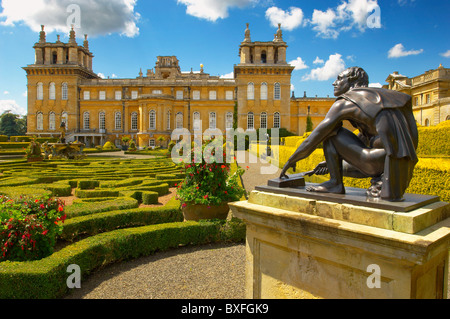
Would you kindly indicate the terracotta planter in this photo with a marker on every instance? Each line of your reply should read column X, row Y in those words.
column 199, row 212
column 35, row 159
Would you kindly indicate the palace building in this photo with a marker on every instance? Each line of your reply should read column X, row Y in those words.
column 430, row 94
column 62, row 87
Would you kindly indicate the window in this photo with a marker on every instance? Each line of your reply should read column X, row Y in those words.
column 213, row 95
column 276, row 120
column 118, row 95
column 197, row 122
column 427, row 122
column 250, row 121
column 428, row 97
column 134, row 121
column 229, row 121
column 264, row 91
column 212, row 120
column 169, row 115
column 134, row 95
column 416, row 101
column 87, row 95
column 263, row 57
column 102, row 95
column 40, row 121
column 86, row 121
column 64, row 91
column 250, row 91
column 277, row 92
column 52, row 121
column 118, row 120
column 152, row 143
column 102, row 121
column 52, row 91
column 229, row 95
column 180, row 95
column 152, row 120
column 65, row 119
column 40, row 91
column 179, row 120
column 196, row 95
column 157, row 92
column 263, row 123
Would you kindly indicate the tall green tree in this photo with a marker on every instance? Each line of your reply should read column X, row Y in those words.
column 309, row 124
column 12, row 125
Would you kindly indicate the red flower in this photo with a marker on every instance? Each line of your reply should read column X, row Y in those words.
column 60, row 208
column 42, row 206
column 205, row 197
column 223, row 166
column 45, row 232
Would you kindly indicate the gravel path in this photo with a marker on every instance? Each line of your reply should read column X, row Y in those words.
column 202, row 272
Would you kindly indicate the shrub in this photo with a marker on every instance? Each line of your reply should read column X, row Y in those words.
column 149, row 198
column 109, row 146
column 3, row 138
column 88, row 184
column 80, row 193
column 28, row 227
column 89, row 206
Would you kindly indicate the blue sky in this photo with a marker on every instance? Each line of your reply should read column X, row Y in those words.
column 324, row 37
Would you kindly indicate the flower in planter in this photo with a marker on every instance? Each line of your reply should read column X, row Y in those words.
column 210, row 183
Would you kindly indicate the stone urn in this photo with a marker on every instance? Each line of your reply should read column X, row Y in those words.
column 199, row 212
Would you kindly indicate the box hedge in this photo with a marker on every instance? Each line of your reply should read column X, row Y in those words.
column 46, row 278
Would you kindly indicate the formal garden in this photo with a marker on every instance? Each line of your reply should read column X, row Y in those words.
column 92, row 212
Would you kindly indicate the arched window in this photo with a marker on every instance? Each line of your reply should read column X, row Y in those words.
column 52, row 121
column 65, row 119
column 447, row 118
column 152, row 120
column 197, row 122
column 40, row 121
column 427, row 122
column 86, row 121
column 229, row 121
column 264, row 91
column 52, row 91
column 102, row 121
column 64, row 91
column 179, row 120
column 40, row 91
column 212, row 120
column 134, row 121
column 276, row 120
column 263, row 123
column 250, row 91
column 169, row 115
column 277, row 92
column 250, row 121
column 118, row 120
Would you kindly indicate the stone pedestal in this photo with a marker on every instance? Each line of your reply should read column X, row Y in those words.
column 308, row 248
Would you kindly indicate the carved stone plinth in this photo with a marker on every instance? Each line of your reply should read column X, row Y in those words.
column 309, row 248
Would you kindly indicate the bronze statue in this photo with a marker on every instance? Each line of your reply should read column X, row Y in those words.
column 384, row 150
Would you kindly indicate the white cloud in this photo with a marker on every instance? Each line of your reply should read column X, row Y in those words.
column 446, row 54
column 399, row 51
column 97, row 17
column 375, row 85
column 11, row 105
column 228, row 76
column 114, row 76
column 331, row 69
column 289, row 20
column 351, row 58
column 318, row 61
column 5, row 93
column 212, row 10
column 324, row 23
column 299, row 64
column 361, row 14
column 292, row 87
column 101, row 75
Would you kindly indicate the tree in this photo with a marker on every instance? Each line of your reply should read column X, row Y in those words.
column 309, row 124
column 12, row 124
